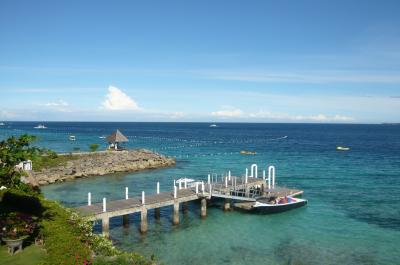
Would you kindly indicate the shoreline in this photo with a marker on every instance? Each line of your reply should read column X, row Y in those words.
column 88, row 164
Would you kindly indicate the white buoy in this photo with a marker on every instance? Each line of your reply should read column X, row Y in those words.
column 126, row 193
column 143, row 198
column 104, row 205
column 89, row 199
column 158, row 187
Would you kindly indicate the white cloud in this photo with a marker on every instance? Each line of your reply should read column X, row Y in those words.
column 303, row 77
column 116, row 99
column 5, row 114
column 228, row 113
column 59, row 103
column 267, row 115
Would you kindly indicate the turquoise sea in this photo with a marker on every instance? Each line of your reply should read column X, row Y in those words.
column 353, row 214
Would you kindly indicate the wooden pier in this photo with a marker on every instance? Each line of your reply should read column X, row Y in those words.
column 230, row 188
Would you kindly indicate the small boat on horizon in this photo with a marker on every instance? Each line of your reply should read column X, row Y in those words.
column 72, row 138
column 213, row 125
column 102, row 137
column 342, row 148
column 2, row 124
column 40, row 126
column 244, row 152
column 269, row 205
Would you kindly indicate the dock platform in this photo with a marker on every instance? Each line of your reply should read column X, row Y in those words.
column 229, row 188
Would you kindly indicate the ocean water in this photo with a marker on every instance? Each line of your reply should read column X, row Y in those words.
column 353, row 214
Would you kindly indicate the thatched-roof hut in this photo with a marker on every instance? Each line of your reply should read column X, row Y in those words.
column 115, row 139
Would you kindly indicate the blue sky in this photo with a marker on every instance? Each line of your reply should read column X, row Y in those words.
column 252, row 61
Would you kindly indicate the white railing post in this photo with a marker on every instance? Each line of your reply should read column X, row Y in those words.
column 104, row 205
column 247, row 172
column 254, row 170
column 202, row 186
column 226, row 182
column 185, row 183
column 197, row 187
column 229, row 175
column 180, row 184
column 158, row 187
column 89, row 199
column 143, row 198
column 174, row 182
column 209, row 179
column 271, row 176
column 175, row 192
column 126, row 193
column 263, row 174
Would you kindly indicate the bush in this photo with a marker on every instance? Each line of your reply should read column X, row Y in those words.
column 93, row 147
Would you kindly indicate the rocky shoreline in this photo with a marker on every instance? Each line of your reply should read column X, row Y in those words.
column 100, row 163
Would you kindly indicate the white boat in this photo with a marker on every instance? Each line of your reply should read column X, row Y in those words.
column 2, row 124
column 40, row 126
column 72, row 138
column 213, row 125
column 102, row 137
column 271, row 205
column 342, row 148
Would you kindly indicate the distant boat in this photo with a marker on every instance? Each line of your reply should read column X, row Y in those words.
column 244, row 152
column 2, row 124
column 102, row 137
column 40, row 126
column 72, row 138
column 213, row 125
column 342, row 148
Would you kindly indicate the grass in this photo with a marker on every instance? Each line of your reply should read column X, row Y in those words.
column 30, row 255
column 42, row 162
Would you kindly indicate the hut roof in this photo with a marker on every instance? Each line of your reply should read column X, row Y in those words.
column 117, row 137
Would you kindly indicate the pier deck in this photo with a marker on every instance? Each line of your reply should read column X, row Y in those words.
column 228, row 188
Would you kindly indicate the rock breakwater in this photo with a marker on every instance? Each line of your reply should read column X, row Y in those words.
column 101, row 163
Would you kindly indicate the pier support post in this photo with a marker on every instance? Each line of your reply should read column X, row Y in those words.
column 175, row 217
column 125, row 220
column 185, row 207
column 157, row 213
column 203, row 211
column 143, row 220
column 227, row 205
column 105, row 224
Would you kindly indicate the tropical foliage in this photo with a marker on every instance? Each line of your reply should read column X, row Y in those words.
column 12, row 152
column 16, row 225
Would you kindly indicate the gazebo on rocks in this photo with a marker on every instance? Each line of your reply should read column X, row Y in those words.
column 115, row 139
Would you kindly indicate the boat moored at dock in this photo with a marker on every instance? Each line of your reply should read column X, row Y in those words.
column 269, row 205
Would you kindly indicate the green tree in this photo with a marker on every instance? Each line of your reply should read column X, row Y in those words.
column 12, row 152
column 93, row 147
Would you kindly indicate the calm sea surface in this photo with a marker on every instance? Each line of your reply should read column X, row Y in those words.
column 353, row 215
